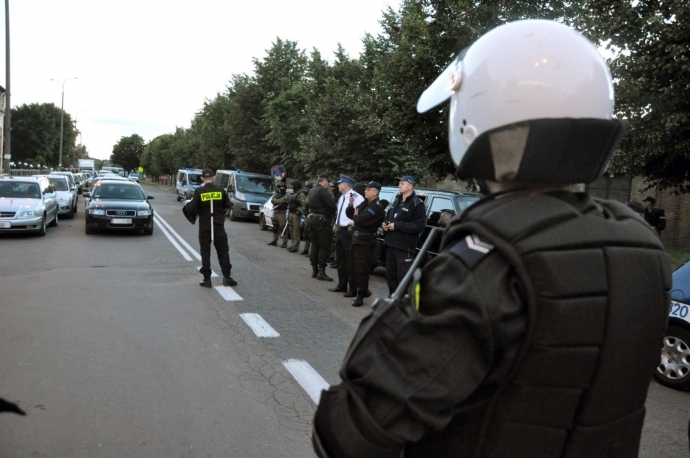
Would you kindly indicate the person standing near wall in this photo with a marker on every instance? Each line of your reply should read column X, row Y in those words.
column 656, row 217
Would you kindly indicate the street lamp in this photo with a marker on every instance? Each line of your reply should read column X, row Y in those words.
column 62, row 113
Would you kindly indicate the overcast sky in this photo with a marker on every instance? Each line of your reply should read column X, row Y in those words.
column 146, row 66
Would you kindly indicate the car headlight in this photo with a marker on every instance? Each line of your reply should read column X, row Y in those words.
column 143, row 213
column 26, row 214
column 96, row 211
column 240, row 196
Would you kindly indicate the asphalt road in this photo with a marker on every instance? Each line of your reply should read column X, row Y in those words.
column 112, row 349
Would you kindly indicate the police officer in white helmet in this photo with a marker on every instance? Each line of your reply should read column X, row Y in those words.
column 535, row 331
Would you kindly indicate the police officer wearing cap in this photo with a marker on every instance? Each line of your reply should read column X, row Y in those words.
column 343, row 236
column 211, row 228
column 511, row 342
column 321, row 211
column 308, row 185
column 366, row 218
column 405, row 220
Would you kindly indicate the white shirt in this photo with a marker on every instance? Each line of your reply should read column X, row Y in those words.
column 341, row 218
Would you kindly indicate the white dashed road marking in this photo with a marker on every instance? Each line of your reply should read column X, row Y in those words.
column 228, row 293
column 307, row 377
column 161, row 223
column 260, row 327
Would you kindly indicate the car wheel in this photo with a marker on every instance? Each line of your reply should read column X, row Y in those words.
column 262, row 222
column 674, row 368
column 178, row 197
column 75, row 209
column 231, row 214
column 88, row 229
column 54, row 222
column 42, row 230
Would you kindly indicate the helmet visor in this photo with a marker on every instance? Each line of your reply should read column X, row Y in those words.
column 447, row 83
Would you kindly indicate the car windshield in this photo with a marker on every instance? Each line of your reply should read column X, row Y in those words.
column 20, row 189
column 117, row 191
column 465, row 201
column 258, row 185
column 195, row 179
column 59, row 184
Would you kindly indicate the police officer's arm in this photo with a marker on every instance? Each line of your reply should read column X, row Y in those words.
column 419, row 380
column 418, row 222
column 328, row 200
column 277, row 200
column 194, row 205
column 226, row 201
column 368, row 215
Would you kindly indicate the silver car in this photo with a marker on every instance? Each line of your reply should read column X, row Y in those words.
column 66, row 197
column 27, row 204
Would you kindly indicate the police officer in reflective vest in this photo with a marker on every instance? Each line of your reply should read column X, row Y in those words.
column 210, row 203
column 512, row 341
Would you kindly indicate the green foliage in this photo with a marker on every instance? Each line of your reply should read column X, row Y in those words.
column 651, row 68
column 127, row 152
column 36, row 132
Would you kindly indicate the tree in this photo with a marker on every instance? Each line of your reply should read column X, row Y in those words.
column 651, row 67
column 127, row 152
column 36, row 132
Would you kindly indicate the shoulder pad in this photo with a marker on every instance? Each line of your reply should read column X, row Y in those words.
column 471, row 250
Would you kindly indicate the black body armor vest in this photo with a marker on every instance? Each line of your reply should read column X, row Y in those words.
column 595, row 281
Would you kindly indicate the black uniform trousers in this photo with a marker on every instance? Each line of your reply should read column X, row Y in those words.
column 220, row 241
column 343, row 241
column 321, row 236
column 361, row 259
column 398, row 262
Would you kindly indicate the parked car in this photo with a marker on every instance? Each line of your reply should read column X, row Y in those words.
column 134, row 176
column 78, row 181
column 187, row 182
column 70, row 178
column 119, row 204
column 108, row 176
column 27, row 204
column 66, row 196
column 436, row 203
column 247, row 192
column 266, row 219
column 674, row 366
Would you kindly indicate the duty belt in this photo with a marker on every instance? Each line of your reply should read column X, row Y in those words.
column 319, row 214
column 358, row 233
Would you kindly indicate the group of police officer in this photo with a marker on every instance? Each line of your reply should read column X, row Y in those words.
column 512, row 341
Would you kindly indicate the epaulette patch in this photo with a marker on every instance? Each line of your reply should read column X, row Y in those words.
column 471, row 250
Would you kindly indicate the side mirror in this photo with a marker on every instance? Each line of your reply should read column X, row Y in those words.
column 149, row 197
column 231, row 188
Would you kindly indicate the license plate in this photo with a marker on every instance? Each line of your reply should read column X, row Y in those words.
column 5, row 225
column 120, row 221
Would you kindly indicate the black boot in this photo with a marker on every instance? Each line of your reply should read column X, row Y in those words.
column 314, row 272
column 351, row 293
column 228, row 281
column 359, row 300
column 305, row 253
column 274, row 243
column 206, row 283
column 321, row 275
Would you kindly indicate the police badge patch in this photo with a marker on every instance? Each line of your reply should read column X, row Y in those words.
column 471, row 250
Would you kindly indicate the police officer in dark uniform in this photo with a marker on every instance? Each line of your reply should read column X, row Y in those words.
column 511, row 342
column 211, row 226
column 280, row 202
column 321, row 211
column 367, row 217
column 405, row 220
column 308, row 185
column 656, row 217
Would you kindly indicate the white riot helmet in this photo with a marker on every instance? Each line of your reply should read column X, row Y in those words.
column 531, row 101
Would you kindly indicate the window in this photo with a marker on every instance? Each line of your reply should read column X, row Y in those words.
column 440, row 205
column 224, row 178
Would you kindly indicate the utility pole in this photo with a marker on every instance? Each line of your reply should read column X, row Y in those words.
column 7, row 125
column 62, row 114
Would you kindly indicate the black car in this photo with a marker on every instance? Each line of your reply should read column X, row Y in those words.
column 437, row 203
column 121, row 205
column 674, row 366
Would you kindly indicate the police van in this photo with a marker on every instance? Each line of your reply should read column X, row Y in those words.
column 247, row 192
column 186, row 183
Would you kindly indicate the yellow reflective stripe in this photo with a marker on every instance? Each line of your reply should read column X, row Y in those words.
column 206, row 196
column 417, row 289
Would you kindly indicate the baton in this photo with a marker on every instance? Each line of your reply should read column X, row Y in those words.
column 284, row 229
column 402, row 287
column 212, row 220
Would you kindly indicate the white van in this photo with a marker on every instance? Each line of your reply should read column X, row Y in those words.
column 187, row 182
